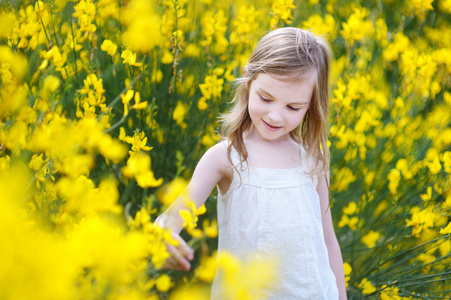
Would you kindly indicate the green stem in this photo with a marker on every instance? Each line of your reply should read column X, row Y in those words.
column 383, row 244
column 43, row 27
column 53, row 27
column 118, row 97
column 412, row 249
column 128, row 190
column 116, row 124
column 73, row 48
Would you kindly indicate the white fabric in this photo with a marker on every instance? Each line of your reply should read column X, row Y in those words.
column 276, row 212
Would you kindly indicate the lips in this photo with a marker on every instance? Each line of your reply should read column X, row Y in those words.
column 271, row 127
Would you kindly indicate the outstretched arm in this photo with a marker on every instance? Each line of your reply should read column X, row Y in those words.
column 335, row 257
column 211, row 169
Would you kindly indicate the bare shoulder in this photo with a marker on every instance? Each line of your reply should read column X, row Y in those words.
column 217, row 155
column 217, row 160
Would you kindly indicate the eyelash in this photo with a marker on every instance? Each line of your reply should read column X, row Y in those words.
column 264, row 99
column 289, row 107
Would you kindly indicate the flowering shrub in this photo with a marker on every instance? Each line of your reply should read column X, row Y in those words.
column 106, row 106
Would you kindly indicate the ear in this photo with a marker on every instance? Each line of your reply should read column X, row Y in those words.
column 245, row 70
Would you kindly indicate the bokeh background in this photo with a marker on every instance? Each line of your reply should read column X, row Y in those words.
column 106, row 107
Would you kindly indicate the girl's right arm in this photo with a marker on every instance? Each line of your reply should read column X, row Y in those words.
column 212, row 169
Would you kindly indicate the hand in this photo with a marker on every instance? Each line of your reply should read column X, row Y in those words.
column 180, row 256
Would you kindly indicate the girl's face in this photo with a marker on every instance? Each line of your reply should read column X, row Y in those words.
column 277, row 105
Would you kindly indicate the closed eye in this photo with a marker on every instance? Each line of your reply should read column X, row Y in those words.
column 293, row 108
column 264, row 99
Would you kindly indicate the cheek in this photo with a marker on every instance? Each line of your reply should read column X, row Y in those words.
column 297, row 120
column 255, row 108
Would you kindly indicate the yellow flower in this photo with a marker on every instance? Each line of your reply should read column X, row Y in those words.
column 371, row 238
column 403, row 166
column 347, row 272
column 393, row 180
column 389, row 293
column 207, row 269
column 51, row 84
column 210, row 229
column 246, row 280
column 367, row 287
column 428, row 195
column 446, row 230
column 434, row 165
column 281, row 10
column 138, row 104
column 143, row 26
column 15, row 63
column 319, row 26
column 191, row 292
column 9, row 22
column 190, row 218
column 164, row 283
column 138, row 141
column 421, row 219
column 350, row 209
column 138, row 166
column 167, row 58
column 111, row 148
column 37, row 162
column 212, row 87
column 202, row 104
column 130, row 58
column 350, row 222
column 179, row 114
column 420, row 6
column 109, row 47
column 141, row 219
column 168, row 193
column 343, row 178
column 358, row 27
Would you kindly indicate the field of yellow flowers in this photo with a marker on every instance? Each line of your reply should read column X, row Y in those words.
column 106, row 106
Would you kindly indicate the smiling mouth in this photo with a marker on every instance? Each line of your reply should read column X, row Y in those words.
column 270, row 127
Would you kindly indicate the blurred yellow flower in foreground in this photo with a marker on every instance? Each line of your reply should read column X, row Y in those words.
column 248, row 279
column 190, row 218
column 169, row 192
column 138, row 167
column 143, row 26
column 207, row 269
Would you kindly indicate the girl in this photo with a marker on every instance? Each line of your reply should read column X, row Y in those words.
column 272, row 171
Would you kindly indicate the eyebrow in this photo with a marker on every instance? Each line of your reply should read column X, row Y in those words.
column 263, row 91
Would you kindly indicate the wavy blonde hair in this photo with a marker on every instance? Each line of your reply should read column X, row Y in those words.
column 293, row 53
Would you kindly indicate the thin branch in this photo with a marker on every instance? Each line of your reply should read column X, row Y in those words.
column 118, row 97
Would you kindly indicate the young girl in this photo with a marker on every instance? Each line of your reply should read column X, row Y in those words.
column 272, row 171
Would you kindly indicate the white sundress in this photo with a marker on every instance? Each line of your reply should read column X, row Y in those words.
column 276, row 213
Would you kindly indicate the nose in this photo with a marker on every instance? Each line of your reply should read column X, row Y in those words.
column 275, row 116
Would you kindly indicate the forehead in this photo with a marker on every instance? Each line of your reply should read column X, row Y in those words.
column 287, row 87
column 287, row 79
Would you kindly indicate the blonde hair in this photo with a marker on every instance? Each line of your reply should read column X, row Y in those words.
column 293, row 53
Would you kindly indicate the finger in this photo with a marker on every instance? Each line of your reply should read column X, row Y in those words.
column 186, row 250
column 170, row 263
column 180, row 260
